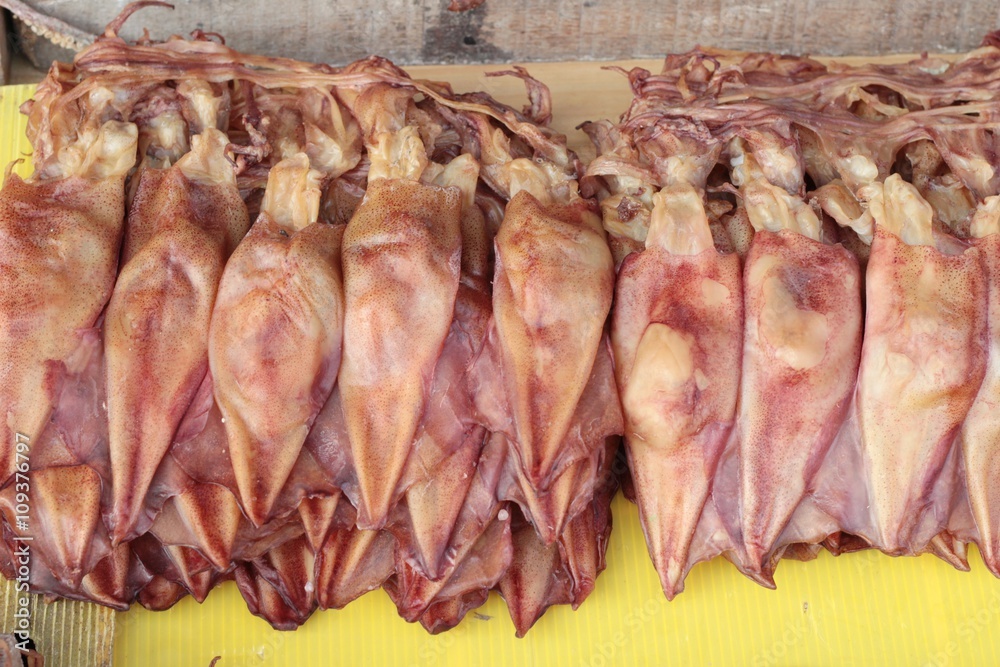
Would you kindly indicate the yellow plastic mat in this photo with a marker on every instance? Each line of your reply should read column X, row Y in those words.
column 858, row 609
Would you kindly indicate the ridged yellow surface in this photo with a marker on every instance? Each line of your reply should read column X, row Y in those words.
column 858, row 609
column 13, row 142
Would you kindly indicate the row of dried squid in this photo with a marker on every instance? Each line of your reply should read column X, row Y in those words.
column 317, row 330
column 806, row 327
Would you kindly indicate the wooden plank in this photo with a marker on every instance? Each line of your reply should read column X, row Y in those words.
column 423, row 31
column 5, row 51
column 65, row 632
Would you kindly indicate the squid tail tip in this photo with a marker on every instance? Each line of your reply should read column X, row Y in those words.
column 121, row 527
column 366, row 520
column 256, row 509
column 72, row 577
column 222, row 561
column 670, row 591
column 762, row 578
column 257, row 517
column 671, row 579
column 757, row 570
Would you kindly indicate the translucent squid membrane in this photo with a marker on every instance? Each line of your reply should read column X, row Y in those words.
column 747, row 444
column 541, row 575
column 59, row 235
column 800, row 358
column 183, row 224
column 445, row 519
column 677, row 335
column 294, row 404
column 803, row 333
column 69, row 469
column 479, row 549
column 276, row 331
column 552, row 291
column 402, row 259
column 922, row 363
column 980, row 435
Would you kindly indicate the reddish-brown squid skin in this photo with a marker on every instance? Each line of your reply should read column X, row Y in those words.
column 182, row 226
column 279, row 586
column 443, row 462
column 922, row 363
column 564, row 572
column 440, row 605
column 800, row 357
column 68, row 473
column 351, row 563
column 203, row 516
column 114, row 581
column 402, row 258
column 980, row 436
column 275, row 346
column 594, row 431
column 317, row 515
column 552, row 290
column 66, row 513
column 677, row 331
column 59, row 242
column 478, row 546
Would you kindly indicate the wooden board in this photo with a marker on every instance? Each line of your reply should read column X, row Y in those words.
column 5, row 52
column 65, row 632
column 423, row 31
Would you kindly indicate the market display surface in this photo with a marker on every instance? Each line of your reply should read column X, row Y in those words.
column 360, row 325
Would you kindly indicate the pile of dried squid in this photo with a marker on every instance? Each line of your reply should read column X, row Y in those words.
column 322, row 330
column 806, row 326
column 317, row 330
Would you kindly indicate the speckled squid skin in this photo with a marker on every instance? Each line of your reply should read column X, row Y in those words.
column 980, row 435
column 351, row 563
column 66, row 513
column 402, row 257
column 801, row 351
column 279, row 586
column 922, row 363
column 677, row 334
column 275, row 348
column 202, row 516
column 59, row 243
column 442, row 462
column 552, row 290
column 477, row 547
column 541, row 575
column 68, row 473
column 180, row 231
